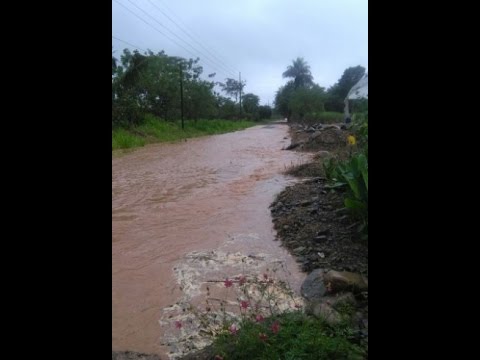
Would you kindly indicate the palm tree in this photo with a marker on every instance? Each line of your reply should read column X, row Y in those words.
column 114, row 63
column 300, row 72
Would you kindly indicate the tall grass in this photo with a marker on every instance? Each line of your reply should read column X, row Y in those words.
column 122, row 139
column 156, row 130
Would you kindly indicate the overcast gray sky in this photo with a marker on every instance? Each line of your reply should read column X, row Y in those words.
column 258, row 38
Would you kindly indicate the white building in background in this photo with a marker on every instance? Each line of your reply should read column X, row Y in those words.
column 358, row 91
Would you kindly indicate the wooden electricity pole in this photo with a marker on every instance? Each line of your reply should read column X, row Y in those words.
column 181, row 95
column 240, row 87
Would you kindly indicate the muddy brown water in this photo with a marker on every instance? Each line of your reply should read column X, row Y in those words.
column 170, row 201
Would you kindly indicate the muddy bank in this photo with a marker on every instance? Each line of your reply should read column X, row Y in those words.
column 310, row 219
column 313, row 225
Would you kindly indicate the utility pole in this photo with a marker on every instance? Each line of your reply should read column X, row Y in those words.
column 181, row 95
column 240, row 87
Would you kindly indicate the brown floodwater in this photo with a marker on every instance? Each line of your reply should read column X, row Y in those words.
column 170, row 201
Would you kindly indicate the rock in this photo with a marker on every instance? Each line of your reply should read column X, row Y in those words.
column 358, row 317
column 344, row 280
column 320, row 238
column 323, row 153
column 299, row 250
column 327, row 307
column 331, row 127
column 322, row 310
column 129, row 355
column 313, row 287
column 336, row 300
column 293, row 146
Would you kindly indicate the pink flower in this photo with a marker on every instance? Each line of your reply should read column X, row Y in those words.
column 259, row 318
column 244, row 304
column 233, row 329
column 178, row 324
column 228, row 283
column 298, row 306
column 263, row 336
column 275, row 327
column 242, row 280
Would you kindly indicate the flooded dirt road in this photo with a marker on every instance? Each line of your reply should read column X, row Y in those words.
column 171, row 202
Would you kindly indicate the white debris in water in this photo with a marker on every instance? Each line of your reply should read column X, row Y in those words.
column 201, row 276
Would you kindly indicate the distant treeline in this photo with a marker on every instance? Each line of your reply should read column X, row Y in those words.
column 151, row 84
column 300, row 99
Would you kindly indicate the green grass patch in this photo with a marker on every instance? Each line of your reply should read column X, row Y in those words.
column 123, row 139
column 297, row 337
column 329, row 117
column 326, row 117
column 156, row 130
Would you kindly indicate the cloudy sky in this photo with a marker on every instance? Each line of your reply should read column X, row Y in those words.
column 258, row 38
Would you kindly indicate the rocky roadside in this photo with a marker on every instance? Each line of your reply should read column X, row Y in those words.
column 313, row 224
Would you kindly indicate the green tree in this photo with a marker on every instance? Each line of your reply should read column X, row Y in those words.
column 114, row 65
column 150, row 83
column 338, row 92
column 299, row 71
column 232, row 87
column 199, row 99
column 282, row 99
column 250, row 103
column 264, row 112
column 307, row 101
column 226, row 108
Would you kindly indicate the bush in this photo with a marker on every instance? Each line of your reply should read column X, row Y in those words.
column 264, row 112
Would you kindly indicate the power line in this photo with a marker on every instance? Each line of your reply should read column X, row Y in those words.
column 216, row 60
column 226, row 66
column 186, row 42
column 172, row 40
column 185, row 25
column 126, row 42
